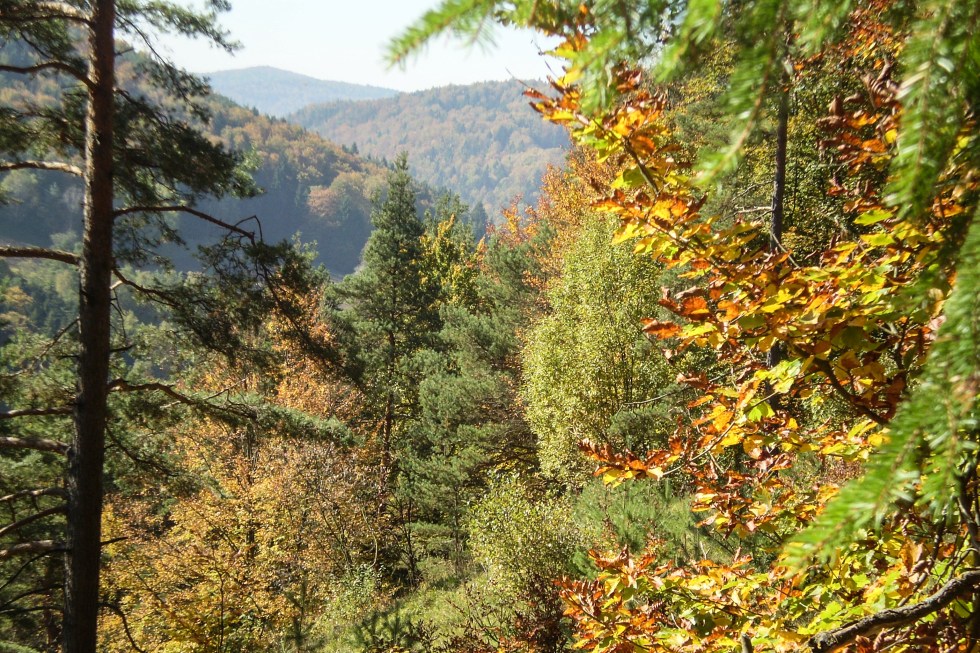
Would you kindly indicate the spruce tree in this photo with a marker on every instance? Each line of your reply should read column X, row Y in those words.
column 391, row 314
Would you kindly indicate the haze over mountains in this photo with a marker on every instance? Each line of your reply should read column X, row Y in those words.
column 277, row 92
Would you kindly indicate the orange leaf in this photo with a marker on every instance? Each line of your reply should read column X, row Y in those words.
column 661, row 329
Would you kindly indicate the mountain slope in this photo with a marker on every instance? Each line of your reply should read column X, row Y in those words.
column 279, row 92
column 312, row 187
column 481, row 140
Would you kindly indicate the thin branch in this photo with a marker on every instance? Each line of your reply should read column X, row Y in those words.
column 121, row 385
column 14, row 576
column 39, row 252
column 36, row 412
column 56, row 166
column 832, row 640
column 190, row 211
column 33, row 494
column 23, row 595
column 38, row 444
column 29, row 548
column 828, row 372
column 30, row 519
column 125, row 624
column 163, row 297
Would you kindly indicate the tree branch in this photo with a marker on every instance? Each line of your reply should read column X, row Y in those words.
column 39, row 252
column 33, row 494
column 166, row 299
column 23, row 595
column 30, row 519
column 190, row 211
column 121, row 385
column 28, row 548
column 954, row 589
column 125, row 623
column 854, row 401
column 56, row 166
column 37, row 412
column 52, row 10
column 48, row 65
column 38, row 444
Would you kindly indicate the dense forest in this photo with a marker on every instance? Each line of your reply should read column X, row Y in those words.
column 714, row 391
column 479, row 140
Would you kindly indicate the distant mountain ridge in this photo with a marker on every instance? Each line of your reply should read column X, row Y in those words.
column 481, row 140
column 279, row 92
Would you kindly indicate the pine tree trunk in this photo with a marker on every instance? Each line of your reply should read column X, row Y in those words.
column 87, row 453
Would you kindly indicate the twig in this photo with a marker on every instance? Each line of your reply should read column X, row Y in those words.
column 30, row 519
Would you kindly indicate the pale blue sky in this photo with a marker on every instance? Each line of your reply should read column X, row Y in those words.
column 344, row 40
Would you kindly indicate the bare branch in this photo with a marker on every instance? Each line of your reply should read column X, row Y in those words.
column 39, row 252
column 33, row 494
column 48, row 65
column 121, row 385
column 5, row 607
column 36, row 412
column 56, row 166
column 30, row 548
column 125, row 623
column 30, row 519
column 833, row 640
column 190, row 211
column 828, row 372
column 38, row 444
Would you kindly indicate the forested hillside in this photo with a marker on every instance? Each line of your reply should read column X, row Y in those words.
column 479, row 140
column 714, row 391
column 279, row 92
column 307, row 186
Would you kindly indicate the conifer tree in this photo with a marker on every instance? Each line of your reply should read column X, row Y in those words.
column 391, row 314
column 141, row 161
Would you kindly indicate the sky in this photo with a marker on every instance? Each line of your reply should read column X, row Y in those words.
column 344, row 40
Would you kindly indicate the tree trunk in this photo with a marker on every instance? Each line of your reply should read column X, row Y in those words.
column 779, row 180
column 779, row 191
column 87, row 453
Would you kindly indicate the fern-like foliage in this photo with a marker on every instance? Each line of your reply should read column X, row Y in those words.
column 940, row 60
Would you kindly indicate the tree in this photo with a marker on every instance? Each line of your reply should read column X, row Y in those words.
column 589, row 373
column 390, row 314
column 140, row 159
column 468, row 425
column 867, row 322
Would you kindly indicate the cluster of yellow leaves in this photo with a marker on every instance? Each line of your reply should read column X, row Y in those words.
column 240, row 546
